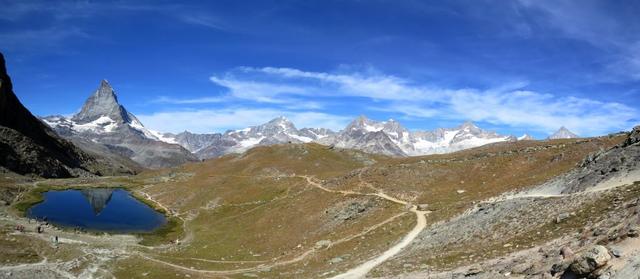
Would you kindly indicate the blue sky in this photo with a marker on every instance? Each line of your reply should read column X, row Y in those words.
column 511, row 66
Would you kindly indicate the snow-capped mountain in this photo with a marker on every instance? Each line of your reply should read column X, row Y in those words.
column 370, row 136
column 563, row 133
column 278, row 130
column 390, row 138
column 103, row 121
column 387, row 138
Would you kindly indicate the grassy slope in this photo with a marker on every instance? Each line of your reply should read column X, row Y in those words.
column 254, row 207
column 250, row 208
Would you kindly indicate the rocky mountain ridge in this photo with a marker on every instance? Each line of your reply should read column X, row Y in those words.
column 386, row 137
column 30, row 147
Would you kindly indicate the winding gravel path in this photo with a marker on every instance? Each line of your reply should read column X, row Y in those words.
column 362, row 270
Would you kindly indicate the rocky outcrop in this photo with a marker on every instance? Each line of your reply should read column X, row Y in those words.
column 590, row 260
column 30, row 147
column 619, row 161
column 633, row 138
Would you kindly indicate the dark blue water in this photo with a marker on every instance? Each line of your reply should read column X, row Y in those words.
column 97, row 209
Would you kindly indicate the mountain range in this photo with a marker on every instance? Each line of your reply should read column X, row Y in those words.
column 104, row 126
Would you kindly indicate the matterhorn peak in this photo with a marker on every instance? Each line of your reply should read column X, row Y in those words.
column 102, row 103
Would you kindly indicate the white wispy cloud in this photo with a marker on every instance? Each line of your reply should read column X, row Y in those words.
column 265, row 92
column 542, row 112
column 39, row 39
column 208, row 120
column 508, row 105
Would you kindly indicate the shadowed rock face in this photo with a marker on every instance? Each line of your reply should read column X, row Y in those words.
column 97, row 198
column 30, row 147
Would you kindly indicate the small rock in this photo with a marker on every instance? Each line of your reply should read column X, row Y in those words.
column 423, row 207
column 473, row 270
column 559, row 268
column 322, row 244
column 633, row 232
column 590, row 260
column 460, row 191
column 407, row 265
column 336, row 260
column 616, row 252
column 562, row 217
column 3, row 203
column 566, row 252
column 599, row 232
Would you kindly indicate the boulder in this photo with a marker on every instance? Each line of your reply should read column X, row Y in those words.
column 634, row 137
column 590, row 260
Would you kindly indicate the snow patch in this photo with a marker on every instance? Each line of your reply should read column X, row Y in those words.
column 300, row 138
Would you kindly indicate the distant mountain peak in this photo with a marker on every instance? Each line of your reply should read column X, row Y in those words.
column 278, row 123
column 468, row 124
column 103, row 102
column 563, row 133
column 279, row 119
